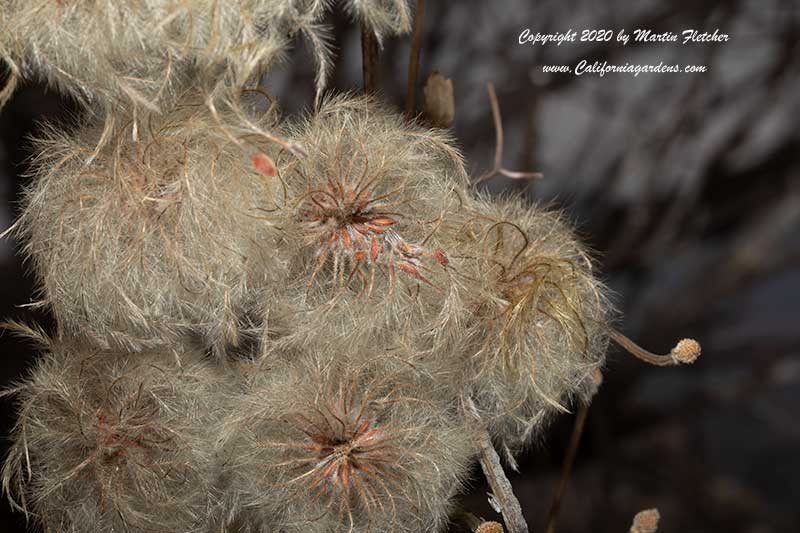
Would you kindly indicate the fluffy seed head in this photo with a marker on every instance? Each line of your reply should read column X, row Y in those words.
column 142, row 54
column 382, row 17
column 155, row 237
column 362, row 210
column 105, row 442
column 356, row 448
column 491, row 290
column 534, row 333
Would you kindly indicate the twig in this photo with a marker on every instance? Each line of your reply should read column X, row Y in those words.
column 686, row 351
column 501, row 487
column 498, row 482
column 413, row 58
column 572, row 451
column 498, row 152
column 369, row 57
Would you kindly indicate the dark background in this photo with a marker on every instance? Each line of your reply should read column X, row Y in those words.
column 687, row 186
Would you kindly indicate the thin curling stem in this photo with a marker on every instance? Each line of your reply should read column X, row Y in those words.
column 686, row 351
column 498, row 167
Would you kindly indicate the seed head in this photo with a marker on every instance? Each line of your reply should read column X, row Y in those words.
column 686, row 351
column 361, row 449
column 534, row 330
column 132, row 54
column 105, row 442
column 362, row 213
column 157, row 236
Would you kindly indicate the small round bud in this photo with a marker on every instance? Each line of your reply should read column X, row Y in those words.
column 646, row 521
column 686, row 351
column 489, row 527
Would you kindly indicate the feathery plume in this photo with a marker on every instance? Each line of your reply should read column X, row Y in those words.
column 534, row 330
column 381, row 17
column 157, row 237
column 361, row 215
column 106, row 442
column 324, row 443
column 136, row 54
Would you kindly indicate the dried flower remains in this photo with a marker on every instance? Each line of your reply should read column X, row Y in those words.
column 362, row 448
column 134, row 54
column 106, row 442
column 158, row 236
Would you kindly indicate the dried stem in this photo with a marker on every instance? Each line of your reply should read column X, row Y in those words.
column 413, row 59
column 686, row 351
column 572, row 451
column 498, row 482
column 501, row 487
column 498, row 152
column 369, row 56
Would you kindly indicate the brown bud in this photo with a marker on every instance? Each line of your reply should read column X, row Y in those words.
column 686, row 351
column 439, row 102
column 645, row 521
column 489, row 527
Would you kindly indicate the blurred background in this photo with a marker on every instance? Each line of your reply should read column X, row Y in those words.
column 687, row 186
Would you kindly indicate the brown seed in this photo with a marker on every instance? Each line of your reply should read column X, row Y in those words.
column 441, row 257
column 383, row 221
column 375, row 249
column 361, row 228
column 348, row 242
column 374, row 228
column 264, row 164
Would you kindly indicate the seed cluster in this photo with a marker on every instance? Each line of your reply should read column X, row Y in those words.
column 141, row 55
column 110, row 441
column 270, row 323
column 362, row 446
column 353, row 225
column 355, row 299
column 168, row 220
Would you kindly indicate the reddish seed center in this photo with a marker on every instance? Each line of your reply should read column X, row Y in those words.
column 343, row 450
